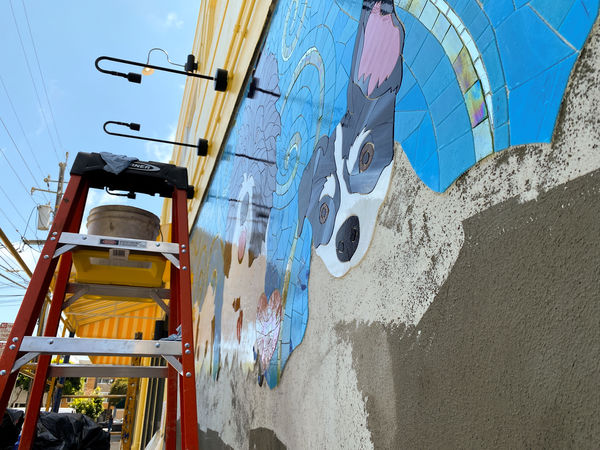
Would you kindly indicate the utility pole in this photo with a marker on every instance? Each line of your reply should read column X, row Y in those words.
column 61, row 179
column 60, row 183
column 59, row 194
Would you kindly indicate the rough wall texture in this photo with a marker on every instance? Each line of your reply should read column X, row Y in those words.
column 506, row 355
column 472, row 320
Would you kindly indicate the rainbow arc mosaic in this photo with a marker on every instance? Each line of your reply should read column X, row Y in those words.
column 309, row 160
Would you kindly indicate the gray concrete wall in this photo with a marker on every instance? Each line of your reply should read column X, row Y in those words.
column 472, row 321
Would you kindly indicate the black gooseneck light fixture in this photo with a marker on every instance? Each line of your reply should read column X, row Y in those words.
column 201, row 147
column 189, row 69
column 253, row 89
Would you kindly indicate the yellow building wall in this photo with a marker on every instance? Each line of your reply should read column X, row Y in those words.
column 226, row 37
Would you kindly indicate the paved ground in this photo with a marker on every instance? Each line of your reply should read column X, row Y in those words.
column 115, row 441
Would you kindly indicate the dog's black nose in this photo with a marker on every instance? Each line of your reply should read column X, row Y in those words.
column 347, row 239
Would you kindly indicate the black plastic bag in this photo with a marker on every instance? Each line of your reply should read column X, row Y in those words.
column 56, row 431
column 10, row 428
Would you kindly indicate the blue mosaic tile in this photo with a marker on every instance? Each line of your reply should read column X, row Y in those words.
column 486, row 38
column 409, row 145
column 576, row 26
column 429, row 56
column 543, row 94
column 493, row 67
column 478, row 24
column 341, row 20
column 405, row 124
column 413, row 100
column 498, row 10
column 538, row 49
column 453, row 126
column 425, row 144
column 500, row 103
column 408, row 81
column 474, row 19
column 553, row 12
column 447, row 102
column 430, row 173
column 455, row 159
column 441, row 77
column 501, row 137
column 413, row 42
column 348, row 33
column 459, row 5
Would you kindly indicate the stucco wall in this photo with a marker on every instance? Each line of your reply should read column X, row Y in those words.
column 471, row 321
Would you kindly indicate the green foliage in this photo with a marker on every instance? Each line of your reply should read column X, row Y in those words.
column 23, row 382
column 72, row 386
column 119, row 387
column 91, row 407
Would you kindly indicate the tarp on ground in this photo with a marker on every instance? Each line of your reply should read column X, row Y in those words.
column 56, row 431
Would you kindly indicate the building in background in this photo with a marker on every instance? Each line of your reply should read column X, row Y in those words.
column 5, row 328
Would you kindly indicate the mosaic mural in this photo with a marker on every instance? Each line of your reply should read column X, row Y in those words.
column 309, row 159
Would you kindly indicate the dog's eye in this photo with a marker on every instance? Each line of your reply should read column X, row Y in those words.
column 323, row 213
column 366, row 156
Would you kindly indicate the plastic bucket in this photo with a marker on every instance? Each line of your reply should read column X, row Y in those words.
column 123, row 221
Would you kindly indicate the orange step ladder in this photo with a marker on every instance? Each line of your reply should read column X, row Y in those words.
column 150, row 178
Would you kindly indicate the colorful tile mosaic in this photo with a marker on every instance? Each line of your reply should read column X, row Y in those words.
column 309, row 159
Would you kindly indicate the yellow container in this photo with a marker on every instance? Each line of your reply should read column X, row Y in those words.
column 118, row 266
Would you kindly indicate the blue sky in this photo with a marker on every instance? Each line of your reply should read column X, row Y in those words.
column 67, row 37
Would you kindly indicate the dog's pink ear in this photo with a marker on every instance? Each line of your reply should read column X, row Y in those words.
column 381, row 48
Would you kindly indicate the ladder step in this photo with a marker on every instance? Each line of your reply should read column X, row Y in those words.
column 106, row 347
column 106, row 371
column 72, row 240
column 118, row 291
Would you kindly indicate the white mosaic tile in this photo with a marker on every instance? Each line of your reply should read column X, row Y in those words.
column 453, row 18
column 452, row 44
column 485, row 84
column 490, row 108
column 470, row 44
column 416, row 7
column 482, row 140
column 403, row 4
column 440, row 27
column 429, row 15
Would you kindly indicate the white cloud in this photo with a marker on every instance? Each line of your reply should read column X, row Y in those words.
column 173, row 20
column 156, row 151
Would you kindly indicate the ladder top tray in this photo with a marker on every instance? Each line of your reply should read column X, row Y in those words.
column 146, row 177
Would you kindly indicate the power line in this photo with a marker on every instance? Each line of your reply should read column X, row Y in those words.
column 33, row 81
column 20, row 154
column 10, row 221
column 21, row 126
column 17, row 175
column 16, row 210
column 13, row 281
column 41, row 75
column 12, row 266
